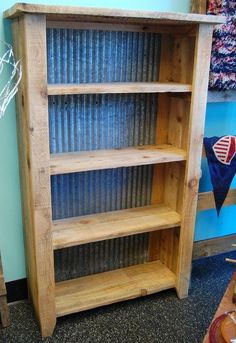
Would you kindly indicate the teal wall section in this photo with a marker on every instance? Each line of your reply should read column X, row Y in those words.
column 11, row 233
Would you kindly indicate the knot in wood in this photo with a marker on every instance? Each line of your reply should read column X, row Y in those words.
column 42, row 171
column 44, row 94
column 143, row 292
column 193, row 183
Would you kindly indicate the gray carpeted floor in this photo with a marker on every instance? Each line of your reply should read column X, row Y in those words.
column 158, row 318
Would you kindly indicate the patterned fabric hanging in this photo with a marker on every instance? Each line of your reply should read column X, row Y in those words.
column 223, row 59
column 221, row 158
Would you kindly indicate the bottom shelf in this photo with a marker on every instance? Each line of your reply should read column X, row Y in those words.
column 106, row 288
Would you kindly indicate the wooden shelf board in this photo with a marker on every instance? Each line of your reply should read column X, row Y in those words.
column 65, row 163
column 108, row 225
column 117, row 87
column 110, row 287
column 111, row 15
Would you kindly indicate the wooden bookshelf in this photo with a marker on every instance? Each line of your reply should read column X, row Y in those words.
column 180, row 87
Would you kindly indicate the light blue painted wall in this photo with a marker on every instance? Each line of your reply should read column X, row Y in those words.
column 220, row 120
column 11, row 236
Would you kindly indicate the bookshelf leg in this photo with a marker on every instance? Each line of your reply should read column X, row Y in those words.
column 4, row 311
column 47, row 325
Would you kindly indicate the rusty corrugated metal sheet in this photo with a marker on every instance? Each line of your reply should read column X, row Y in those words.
column 77, row 56
column 87, row 122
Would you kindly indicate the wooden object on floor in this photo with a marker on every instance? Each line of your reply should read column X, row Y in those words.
column 225, row 305
column 4, row 311
column 181, row 90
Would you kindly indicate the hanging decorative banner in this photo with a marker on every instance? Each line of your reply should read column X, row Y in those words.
column 221, row 158
column 223, row 58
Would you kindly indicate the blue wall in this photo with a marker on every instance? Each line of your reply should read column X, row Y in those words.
column 220, row 120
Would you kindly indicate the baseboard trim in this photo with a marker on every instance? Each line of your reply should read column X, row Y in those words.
column 214, row 246
column 17, row 290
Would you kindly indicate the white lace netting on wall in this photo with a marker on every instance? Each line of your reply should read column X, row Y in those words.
column 9, row 89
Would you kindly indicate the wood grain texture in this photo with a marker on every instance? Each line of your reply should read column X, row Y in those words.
column 104, row 14
column 214, row 246
column 225, row 305
column 117, row 88
column 64, row 163
column 176, row 65
column 29, row 33
column 2, row 282
column 110, row 287
column 4, row 311
column 103, row 226
column 157, row 28
column 196, row 124
column 199, row 6
column 175, row 184
column 206, row 200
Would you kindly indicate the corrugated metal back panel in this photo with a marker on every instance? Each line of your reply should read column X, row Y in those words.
column 102, row 121
column 77, row 56
column 100, row 191
column 100, row 257
column 88, row 122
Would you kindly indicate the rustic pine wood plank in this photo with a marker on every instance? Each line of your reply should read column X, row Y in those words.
column 156, row 28
column 114, row 158
column 110, row 287
column 2, row 282
column 197, row 115
column 169, row 248
column 178, row 135
column 214, row 246
column 176, row 65
column 225, row 305
column 103, row 226
column 29, row 32
column 117, row 87
column 162, row 122
column 4, row 311
column 206, row 200
column 199, row 6
column 106, row 14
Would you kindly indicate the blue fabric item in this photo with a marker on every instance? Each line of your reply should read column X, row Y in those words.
column 222, row 173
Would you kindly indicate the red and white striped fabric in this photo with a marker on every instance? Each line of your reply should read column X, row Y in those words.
column 225, row 149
